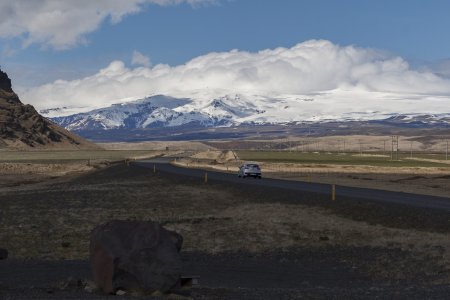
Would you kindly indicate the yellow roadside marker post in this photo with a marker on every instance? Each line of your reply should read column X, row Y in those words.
column 333, row 192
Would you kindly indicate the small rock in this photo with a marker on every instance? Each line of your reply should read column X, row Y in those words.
column 120, row 293
column 3, row 253
column 90, row 286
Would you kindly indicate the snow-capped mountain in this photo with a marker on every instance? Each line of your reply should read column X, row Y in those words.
column 237, row 109
column 161, row 111
column 153, row 111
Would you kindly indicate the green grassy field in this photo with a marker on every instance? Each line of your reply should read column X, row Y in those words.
column 342, row 159
column 66, row 156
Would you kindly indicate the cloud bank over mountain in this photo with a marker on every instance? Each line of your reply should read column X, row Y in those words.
column 139, row 59
column 64, row 24
column 310, row 67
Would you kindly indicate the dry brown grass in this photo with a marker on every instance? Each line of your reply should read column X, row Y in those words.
column 18, row 174
column 157, row 145
column 355, row 143
column 217, row 156
column 50, row 169
column 263, row 227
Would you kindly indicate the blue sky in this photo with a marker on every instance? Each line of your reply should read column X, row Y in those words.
column 42, row 41
column 416, row 30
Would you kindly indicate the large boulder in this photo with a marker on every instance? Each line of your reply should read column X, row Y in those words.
column 133, row 255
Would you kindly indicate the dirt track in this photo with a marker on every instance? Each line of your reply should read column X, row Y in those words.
column 257, row 243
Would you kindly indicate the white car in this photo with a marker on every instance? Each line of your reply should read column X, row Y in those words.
column 250, row 169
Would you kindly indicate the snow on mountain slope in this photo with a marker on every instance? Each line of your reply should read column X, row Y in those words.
column 155, row 111
column 234, row 109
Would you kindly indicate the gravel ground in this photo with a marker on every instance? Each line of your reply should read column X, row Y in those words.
column 262, row 243
column 241, row 275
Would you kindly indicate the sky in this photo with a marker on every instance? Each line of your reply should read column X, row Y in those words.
column 97, row 52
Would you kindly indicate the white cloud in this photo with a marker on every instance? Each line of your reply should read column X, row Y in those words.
column 63, row 24
column 440, row 68
column 311, row 67
column 139, row 59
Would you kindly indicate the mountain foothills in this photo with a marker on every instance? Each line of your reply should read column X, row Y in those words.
column 22, row 127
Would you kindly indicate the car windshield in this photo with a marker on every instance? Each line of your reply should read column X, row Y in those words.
column 252, row 166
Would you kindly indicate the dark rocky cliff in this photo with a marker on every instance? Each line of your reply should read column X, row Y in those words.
column 5, row 82
column 21, row 126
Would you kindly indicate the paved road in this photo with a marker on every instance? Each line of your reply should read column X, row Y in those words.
column 441, row 203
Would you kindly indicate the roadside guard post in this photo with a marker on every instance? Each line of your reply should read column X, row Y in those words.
column 206, row 177
column 154, row 168
column 333, row 192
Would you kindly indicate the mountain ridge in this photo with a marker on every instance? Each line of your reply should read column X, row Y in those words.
column 162, row 111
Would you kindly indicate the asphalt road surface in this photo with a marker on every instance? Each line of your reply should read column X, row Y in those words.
column 425, row 201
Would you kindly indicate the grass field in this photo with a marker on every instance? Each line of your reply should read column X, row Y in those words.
column 374, row 159
column 78, row 155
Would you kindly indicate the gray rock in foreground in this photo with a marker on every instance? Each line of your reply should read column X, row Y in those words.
column 3, row 253
column 133, row 255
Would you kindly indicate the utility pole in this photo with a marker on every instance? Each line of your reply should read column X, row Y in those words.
column 396, row 145
column 392, row 147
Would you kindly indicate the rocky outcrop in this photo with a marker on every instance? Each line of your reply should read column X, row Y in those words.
column 132, row 255
column 5, row 82
column 21, row 126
